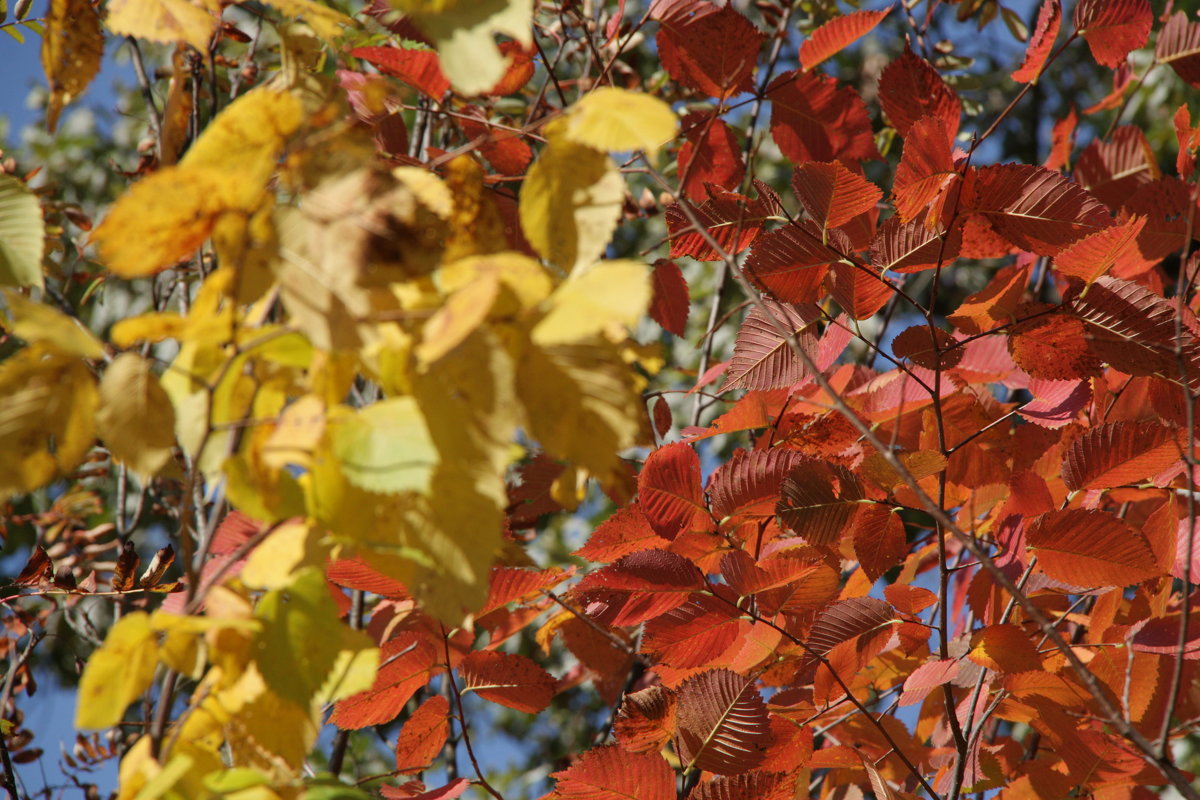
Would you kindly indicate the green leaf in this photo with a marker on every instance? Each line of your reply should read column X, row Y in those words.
column 22, row 230
column 386, row 447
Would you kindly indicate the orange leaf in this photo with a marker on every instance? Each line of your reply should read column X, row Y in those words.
column 508, row 679
column 1087, row 548
column 423, row 735
column 832, row 194
column 838, row 34
column 407, row 663
column 669, row 491
column 611, row 773
column 418, row 68
column 815, row 119
column 646, row 720
column 910, row 88
column 1117, row 453
column 1113, row 28
column 1004, row 648
column 879, row 541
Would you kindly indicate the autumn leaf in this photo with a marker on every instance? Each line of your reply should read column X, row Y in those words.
column 832, row 194
column 1086, row 548
column 423, row 735
column 669, row 491
column 610, row 773
column 646, row 720
column 722, row 723
column 508, row 679
column 22, row 240
column 190, row 21
column 591, row 300
column 385, row 447
column 762, row 355
column 72, row 49
column 464, row 35
column 713, row 53
column 1040, row 44
column 1113, row 29
column 135, row 418
column 609, row 119
column 117, row 673
column 837, row 34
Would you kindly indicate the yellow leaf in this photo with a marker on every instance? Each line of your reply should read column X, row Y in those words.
column 475, row 226
column 72, row 48
column 47, row 418
column 135, row 418
column 38, row 322
column 610, row 119
column 262, row 491
column 299, row 432
column 526, row 279
column 463, row 31
column 166, row 216
column 165, row 21
column 302, row 638
column 118, row 673
column 581, row 405
column 287, row 549
column 464, row 311
column 607, row 293
column 327, row 22
column 385, row 447
column 570, row 203
column 22, row 234
column 153, row 326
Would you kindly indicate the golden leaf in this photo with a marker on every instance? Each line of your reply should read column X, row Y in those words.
column 607, row 293
column 47, row 412
column 41, row 324
column 135, row 418
column 610, row 119
column 570, row 203
column 165, row 21
column 72, row 48
column 118, row 673
column 22, row 234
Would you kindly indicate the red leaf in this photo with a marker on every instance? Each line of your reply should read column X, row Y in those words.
column 812, row 119
column 1187, row 137
column 625, row 531
column 832, row 194
column 723, row 723
column 910, row 88
column 733, row 220
column 691, row 635
column 909, row 599
column 879, row 541
column 845, row 620
column 1113, row 170
column 515, row 585
column 1179, row 45
column 520, row 69
column 423, row 735
column 670, row 493
column 934, row 349
column 819, row 500
column 746, row 487
column 1087, row 548
column 838, row 34
column 912, row 246
column 748, row 413
column 234, row 531
column 504, row 149
column 448, row 792
column 669, row 303
column 38, row 569
column 610, row 773
column 406, row 664
column 1116, row 453
column 714, row 53
column 927, row 677
column 1114, row 248
column 926, row 168
column 639, row 586
column 995, row 304
column 1113, row 27
column 1035, row 209
column 529, row 493
column 711, row 155
column 418, row 68
column 508, row 679
column 1054, row 348
column 354, row 574
column 1055, row 403
column 858, row 290
column 1130, row 327
column 755, row 785
column 1062, row 137
column 791, row 263
column 1041, row 43
column 762, row 357
column 646, row 720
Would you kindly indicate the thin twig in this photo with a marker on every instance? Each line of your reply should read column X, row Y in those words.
column 462, row 720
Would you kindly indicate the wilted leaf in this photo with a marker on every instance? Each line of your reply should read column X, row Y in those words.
column 646, row 720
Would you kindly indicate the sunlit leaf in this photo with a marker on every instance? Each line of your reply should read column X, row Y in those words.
column 22, row 237
column 722, row 723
